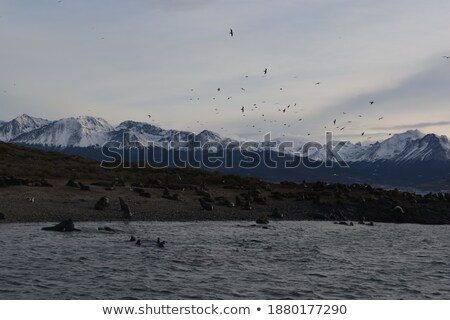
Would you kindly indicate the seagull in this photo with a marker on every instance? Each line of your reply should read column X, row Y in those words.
column 371, row 102
column 265, row 71
column 242, row 109
column 231, row 32
column 362, row 134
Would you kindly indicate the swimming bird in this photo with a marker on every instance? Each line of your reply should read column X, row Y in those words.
column 160, row 243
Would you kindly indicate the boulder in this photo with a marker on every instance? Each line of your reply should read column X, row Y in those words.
column 72, row 183
column 102, row 204
column 206, row 205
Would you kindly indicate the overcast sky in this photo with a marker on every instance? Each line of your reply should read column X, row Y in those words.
column 125, row 60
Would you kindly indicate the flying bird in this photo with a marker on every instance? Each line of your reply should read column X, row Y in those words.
column 371, row 102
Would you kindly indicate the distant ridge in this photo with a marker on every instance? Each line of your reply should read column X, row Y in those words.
column 92, row 132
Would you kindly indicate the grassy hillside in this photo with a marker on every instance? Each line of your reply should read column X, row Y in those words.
column 20, row 161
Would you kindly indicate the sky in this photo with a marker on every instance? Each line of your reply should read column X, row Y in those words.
column 126, row 60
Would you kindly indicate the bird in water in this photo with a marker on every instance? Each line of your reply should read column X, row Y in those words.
column 160, row 243
column 132, row 239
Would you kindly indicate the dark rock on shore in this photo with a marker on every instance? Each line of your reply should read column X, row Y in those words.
column 64, row 226
column 205, row 205
column 72, row 183
column 102, row 204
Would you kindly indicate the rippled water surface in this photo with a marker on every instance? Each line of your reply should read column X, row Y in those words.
column 226, row 260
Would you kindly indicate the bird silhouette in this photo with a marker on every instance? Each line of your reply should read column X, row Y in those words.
column 231, row 32
column 317, row 83
column 242, row 109
column 362, row 134
column 371, row 102
column 265, row 71
column 334, row 122
column 380, row 118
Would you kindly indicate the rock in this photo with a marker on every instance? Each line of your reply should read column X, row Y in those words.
column 205, row 205
column 84, row 187
column 64, row 226
column 262, row 220
column 72, row 183
column 276, row 214
column 2, row 216
column 102, row 204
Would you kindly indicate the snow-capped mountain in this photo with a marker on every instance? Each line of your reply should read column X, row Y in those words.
column 93, row 132
column 17, row 126
column 391, row 148
column 83, row 131
column 131, row 133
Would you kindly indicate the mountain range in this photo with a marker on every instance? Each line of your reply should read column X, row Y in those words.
column 411, row 157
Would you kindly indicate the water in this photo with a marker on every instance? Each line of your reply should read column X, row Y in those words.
column 226, row 260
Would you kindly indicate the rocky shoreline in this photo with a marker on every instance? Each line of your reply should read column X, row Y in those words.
column 40, row 200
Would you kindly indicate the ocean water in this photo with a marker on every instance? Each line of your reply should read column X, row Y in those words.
column 226, row 260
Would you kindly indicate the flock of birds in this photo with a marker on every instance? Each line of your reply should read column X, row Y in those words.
column 287, row 109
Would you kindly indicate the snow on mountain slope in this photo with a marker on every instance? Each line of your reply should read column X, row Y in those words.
column 17, row 126
column 390, row 148
column 131, row 133
column 75, row 132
